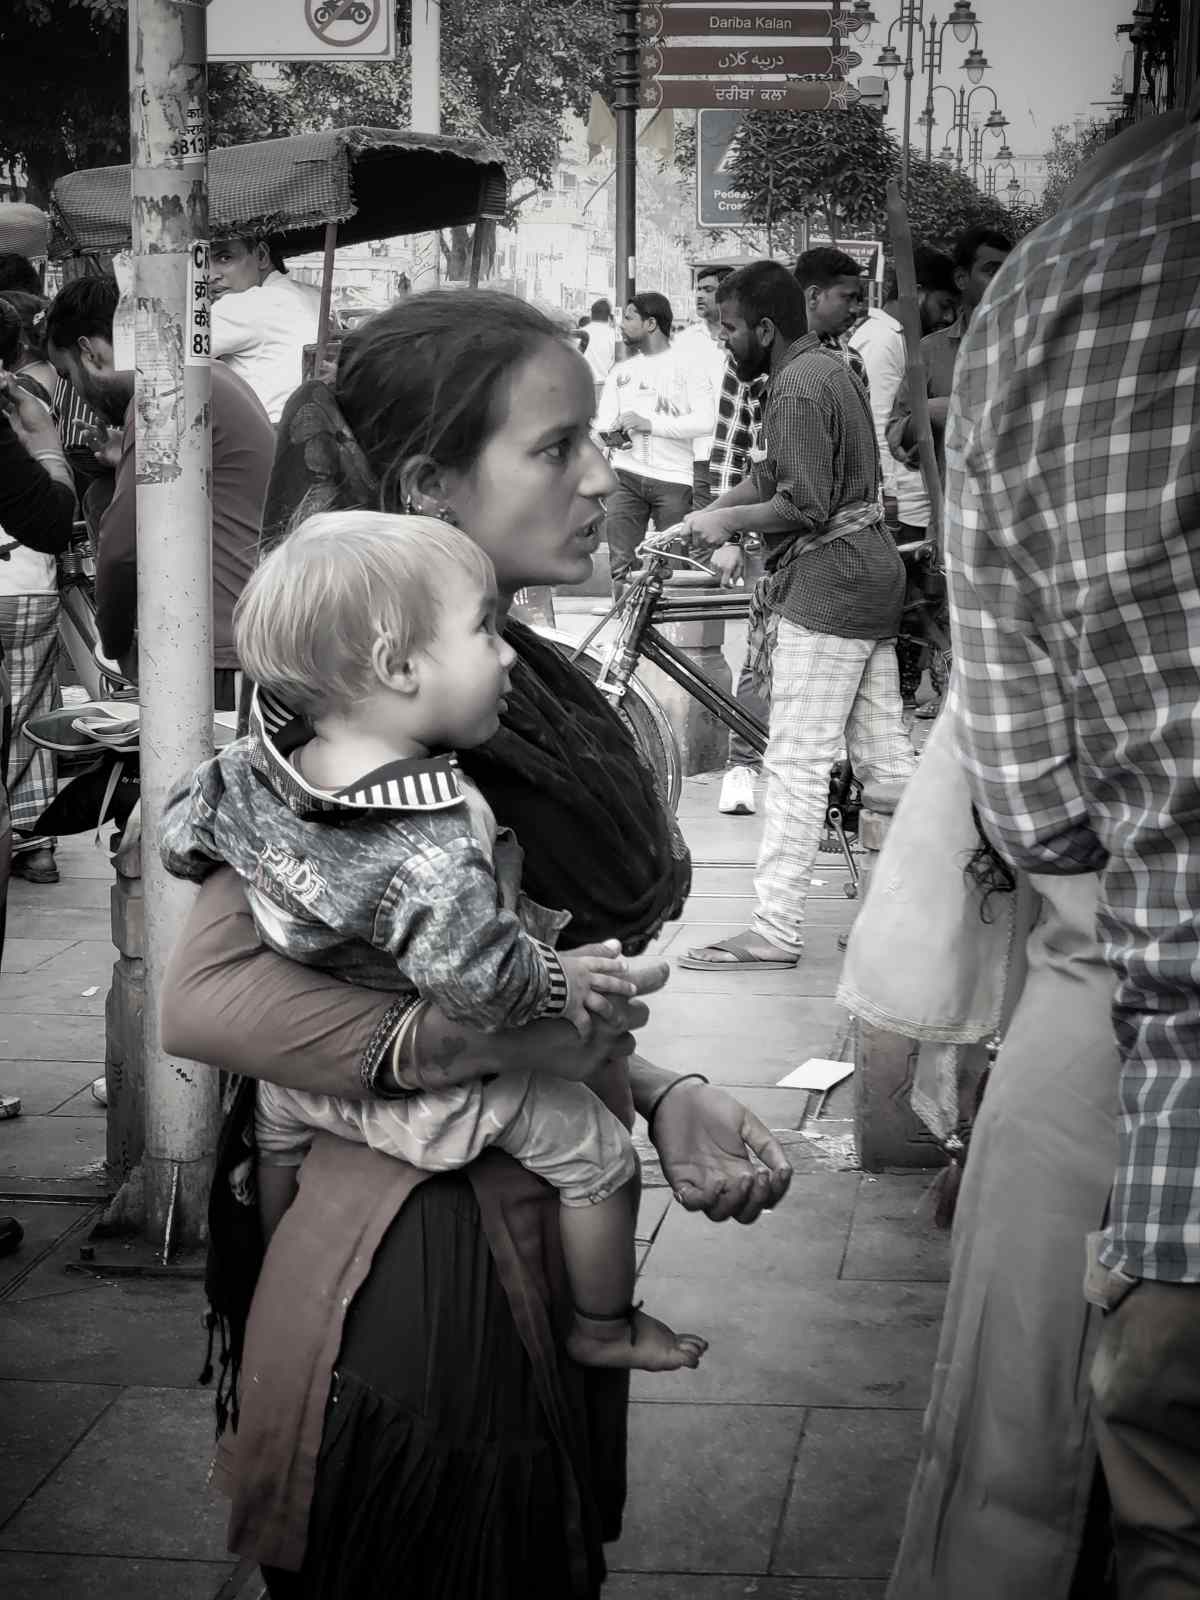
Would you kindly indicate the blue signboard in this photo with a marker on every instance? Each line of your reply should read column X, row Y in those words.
column 719, row 203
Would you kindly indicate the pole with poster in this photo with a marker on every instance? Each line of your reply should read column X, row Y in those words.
column 626, row 80
column 425, row 109
column 171, row 354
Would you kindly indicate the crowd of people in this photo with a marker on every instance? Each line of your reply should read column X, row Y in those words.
column 430, row 867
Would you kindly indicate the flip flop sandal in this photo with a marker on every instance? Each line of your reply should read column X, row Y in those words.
column 743, row 959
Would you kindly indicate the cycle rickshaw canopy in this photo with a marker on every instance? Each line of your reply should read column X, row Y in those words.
column 351, row 184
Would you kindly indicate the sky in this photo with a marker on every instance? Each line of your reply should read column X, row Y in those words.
column 1049, row 59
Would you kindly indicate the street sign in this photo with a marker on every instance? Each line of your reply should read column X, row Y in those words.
column 867, row 252
column 719, row 202
column 301, row 30
column 795, row 58
column 673, row 94
column 685, row 18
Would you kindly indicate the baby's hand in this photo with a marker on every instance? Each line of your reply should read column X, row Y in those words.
column 590, row 978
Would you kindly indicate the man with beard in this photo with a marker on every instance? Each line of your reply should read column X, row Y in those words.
column 79, row 328
column 831, row 283
column 829, row 606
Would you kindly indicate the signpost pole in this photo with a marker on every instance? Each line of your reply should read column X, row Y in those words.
column 425, row 110
column 625, row 108
column 169, row 138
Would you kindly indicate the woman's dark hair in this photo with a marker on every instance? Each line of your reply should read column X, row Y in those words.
column 988, row 870
column 430, row 377
column 767, row 291
column 31, row 309
column 82, row 309
column 10, row 334
column 18, row 272
column 652, row 304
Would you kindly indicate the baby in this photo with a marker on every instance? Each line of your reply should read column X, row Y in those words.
column 364, row 851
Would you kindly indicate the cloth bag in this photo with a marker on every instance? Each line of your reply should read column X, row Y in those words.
column 927, row 959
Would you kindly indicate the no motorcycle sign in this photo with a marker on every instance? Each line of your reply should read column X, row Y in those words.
column 301, row 30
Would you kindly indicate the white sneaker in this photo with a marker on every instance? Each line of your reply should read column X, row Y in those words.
column 737, row 793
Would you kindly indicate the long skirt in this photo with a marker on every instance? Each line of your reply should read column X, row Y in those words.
column 438, row 1477
column 29, row 634
column 1008, row 1460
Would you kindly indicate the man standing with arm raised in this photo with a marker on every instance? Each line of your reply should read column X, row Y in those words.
column 828, row 608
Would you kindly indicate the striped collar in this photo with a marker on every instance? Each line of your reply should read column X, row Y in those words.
column 431, row 783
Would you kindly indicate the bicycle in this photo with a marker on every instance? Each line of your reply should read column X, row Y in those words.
column 647, row 604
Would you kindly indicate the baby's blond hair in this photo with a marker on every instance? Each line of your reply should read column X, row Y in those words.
column 311, row 615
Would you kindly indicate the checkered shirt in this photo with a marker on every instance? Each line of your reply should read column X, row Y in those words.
column 737, row 437
column 1073, row 548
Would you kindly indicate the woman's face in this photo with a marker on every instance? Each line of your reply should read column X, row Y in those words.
column 533, row 498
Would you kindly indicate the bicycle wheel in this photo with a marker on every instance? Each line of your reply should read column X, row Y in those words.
column 645, row 719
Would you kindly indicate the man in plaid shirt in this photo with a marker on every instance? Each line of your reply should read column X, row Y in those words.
column 1073, row 529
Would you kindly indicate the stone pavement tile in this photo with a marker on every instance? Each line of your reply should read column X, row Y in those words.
column 135, row 1486
column 61, row 922
column 849, row 1491
column 44, row 1223
column 90, row 1577
column 60, row 986
column 706, row 1485
column 652, row 1208
column 802, row 1241
column 42, row 1085
column 70, row 1327
column 691, row 1586
column 42, row 1423
column 82, row 1103
column 51, row 1147
column 893, row 1235
column 735, row 877
column 774, row 1342
column 778, row 1108
column 89, row 894
column 28, row 1036
column 26, row 955
column 755, row 1043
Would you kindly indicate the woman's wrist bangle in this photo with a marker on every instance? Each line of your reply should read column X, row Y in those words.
column 381, row 1067
column 688, row 1077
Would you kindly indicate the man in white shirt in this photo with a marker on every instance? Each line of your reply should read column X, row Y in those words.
column 261, row 319
column 702, row 343
column 652, row 407
column 601, row 344
column 880, row 342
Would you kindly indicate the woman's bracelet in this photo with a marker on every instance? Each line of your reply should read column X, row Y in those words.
column 382, row 1061
column 688, row 1077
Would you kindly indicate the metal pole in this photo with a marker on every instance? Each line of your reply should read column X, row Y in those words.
column 425, row 62
column 961, row 123
column 931, row 45
column 169, row 140
column 323, row 319
column 914, row 12
column 425, row 105
column 625, row 104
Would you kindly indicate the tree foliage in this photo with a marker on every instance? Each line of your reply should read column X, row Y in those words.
column 1069, row 150
column 832, row 169
column 511, row 71
column 828, row 166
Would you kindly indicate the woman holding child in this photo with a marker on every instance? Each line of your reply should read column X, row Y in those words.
column 410, row 1421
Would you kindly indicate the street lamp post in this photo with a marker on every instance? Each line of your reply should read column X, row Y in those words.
column 964, row 24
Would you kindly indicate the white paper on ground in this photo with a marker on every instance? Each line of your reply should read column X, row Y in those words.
column 816, row 1073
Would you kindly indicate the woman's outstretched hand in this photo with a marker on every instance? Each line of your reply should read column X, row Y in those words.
column 708, row 1142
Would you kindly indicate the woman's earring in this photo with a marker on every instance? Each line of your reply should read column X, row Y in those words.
column 408, row 505
column 444, row 514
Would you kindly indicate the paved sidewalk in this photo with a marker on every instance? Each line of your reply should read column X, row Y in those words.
column 778, row 1471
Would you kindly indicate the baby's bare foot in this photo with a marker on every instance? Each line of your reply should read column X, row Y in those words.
column 638, row 1342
